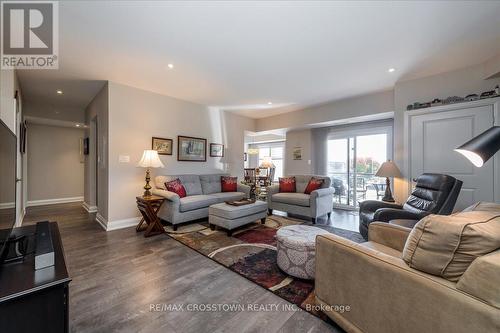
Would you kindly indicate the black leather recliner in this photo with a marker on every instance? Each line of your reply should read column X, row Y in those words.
column 434, row 194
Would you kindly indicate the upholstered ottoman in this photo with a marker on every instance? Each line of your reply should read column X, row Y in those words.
column 296, row 245
column 230, row 217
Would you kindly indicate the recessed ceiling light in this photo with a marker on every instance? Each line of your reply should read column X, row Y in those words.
column 59, row 91
column 170, row 66
column 390, row 70
column 269, row 103
column 77, row 125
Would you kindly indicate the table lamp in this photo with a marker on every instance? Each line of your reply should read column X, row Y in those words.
column 481, row 148
column 388, row 169
column 150, row 159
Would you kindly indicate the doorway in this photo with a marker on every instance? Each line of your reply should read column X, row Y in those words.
column 354, row 157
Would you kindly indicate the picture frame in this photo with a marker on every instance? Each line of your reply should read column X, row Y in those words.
column 191, row 149
column 162, row 145
column 216, row 150
column 297, row 153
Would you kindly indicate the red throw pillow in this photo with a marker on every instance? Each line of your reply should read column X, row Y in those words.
column 176, row 187
column 313, row 185
column 287, row 184
column 229, row 184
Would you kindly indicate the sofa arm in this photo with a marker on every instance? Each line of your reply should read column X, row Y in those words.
column 481, row 278
column 171, row 196
column 375, row 284
column 391, row 235
column 245, row 189
column 387, row 214
column 373, row 205
column 322, row 192
column 273, row 189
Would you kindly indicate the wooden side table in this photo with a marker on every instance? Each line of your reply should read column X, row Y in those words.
column 149, row 206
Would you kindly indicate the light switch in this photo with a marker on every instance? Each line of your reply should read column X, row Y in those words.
column 124, row 159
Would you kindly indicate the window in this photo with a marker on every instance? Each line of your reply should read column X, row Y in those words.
column 276, row 151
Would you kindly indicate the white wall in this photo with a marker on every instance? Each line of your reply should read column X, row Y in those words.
column 303, row 139
column 136, row 115
column 97, row 111
column 359, row 106
column 55, row 170
column 7, row 90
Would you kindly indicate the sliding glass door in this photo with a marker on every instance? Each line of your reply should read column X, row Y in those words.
column 353, row 159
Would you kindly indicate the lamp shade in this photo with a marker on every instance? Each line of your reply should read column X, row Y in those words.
column 150, row 159
column 388, row 169
column 267, row 162
column 482, row 147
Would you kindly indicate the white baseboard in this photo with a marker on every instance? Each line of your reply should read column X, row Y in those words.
column 102, row 221
column 7, row 205
column 88, row 208
column 53, row 201
column 120, row 224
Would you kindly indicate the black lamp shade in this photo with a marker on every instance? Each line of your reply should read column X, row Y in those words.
column 481, row 148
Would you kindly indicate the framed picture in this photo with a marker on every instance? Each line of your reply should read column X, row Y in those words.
column 245, row 157
column 191, row 149
column 216, row 150
column 297, row 153
column 162, row 146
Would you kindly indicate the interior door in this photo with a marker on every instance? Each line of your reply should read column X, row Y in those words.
column 434, row 137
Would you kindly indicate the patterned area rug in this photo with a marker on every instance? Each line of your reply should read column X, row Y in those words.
column 251, row 252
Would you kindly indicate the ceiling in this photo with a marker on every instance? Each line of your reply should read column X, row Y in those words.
column 241, row 55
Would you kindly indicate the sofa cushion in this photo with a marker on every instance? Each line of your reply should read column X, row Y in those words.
column 297, row 199
column 313, row 185
column 196, row 202
column 229, row 184
column 287, row 185
column 303, row 180
column 191, row 183
column 176, row 187
column 228, row 196
column 211, row 183
column 447, row 245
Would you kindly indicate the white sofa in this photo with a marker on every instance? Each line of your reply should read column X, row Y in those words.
column 202, row 191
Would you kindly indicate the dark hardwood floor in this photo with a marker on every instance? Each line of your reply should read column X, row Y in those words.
column 119, row 275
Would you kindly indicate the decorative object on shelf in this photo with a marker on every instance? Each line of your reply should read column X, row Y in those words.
column 456, row 99
column 471, row 97
column 436, row 101
column 162, row 146
column 488, row 94
column 482, row 147
column 388, row 169
column 245, row 157
column 191, row 149
column 297, row 153
column 150, row 159
column 453, row 99
column 216, row 150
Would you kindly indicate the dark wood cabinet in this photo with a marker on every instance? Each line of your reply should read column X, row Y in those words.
column 35, row 301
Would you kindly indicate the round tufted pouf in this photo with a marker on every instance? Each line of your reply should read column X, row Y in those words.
column 296, row 245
